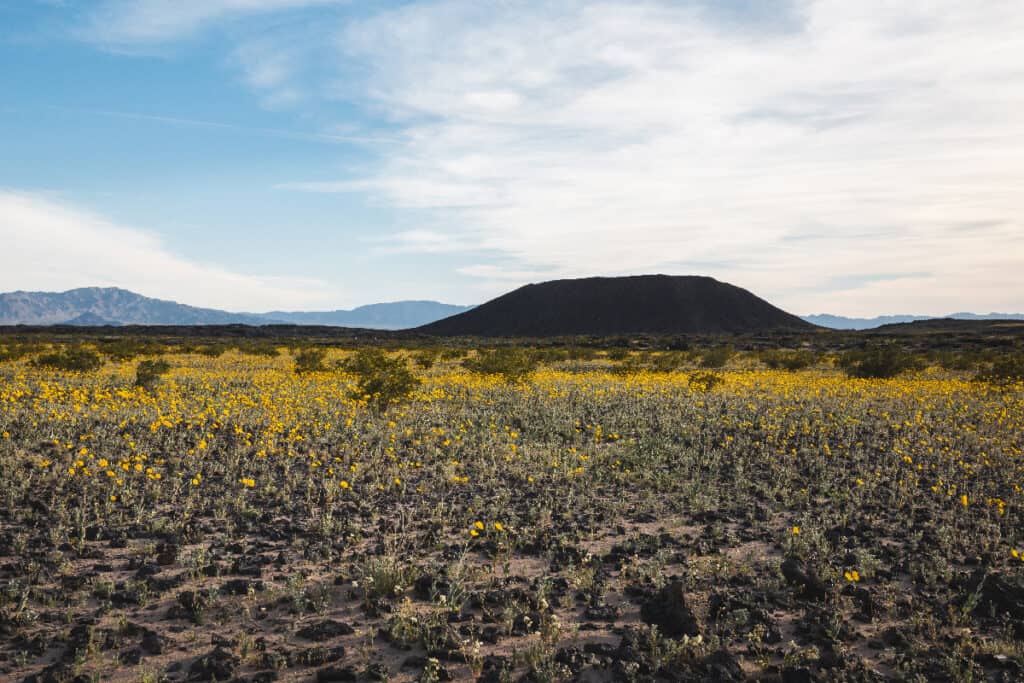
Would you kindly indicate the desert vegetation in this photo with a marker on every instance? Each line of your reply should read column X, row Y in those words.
column 254, row 511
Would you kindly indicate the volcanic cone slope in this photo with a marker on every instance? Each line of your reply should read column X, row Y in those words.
column 649, row 304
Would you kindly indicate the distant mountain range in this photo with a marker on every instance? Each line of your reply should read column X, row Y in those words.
column 601, row 306
column 98, row 306
column 393, row 316
column 838, row 322
column 653, row 299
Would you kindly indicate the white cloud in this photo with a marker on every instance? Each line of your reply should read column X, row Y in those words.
column 809, row 143
column 51, row 246
column 582, row 138
column 130, row 23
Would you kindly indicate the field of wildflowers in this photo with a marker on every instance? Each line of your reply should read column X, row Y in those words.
column 623, row 517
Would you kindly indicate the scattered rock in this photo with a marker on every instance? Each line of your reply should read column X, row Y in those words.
column 723, row 666
column 334, row 674
column 217, row 665
column 797, row 575
column 325, row 630
column 602, row 613
column 797, row 675
column 669, row 611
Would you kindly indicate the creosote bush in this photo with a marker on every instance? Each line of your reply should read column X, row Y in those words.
column 148, row 372
column 211, row 350
column 717, row 357
column 381, row 379
column 259, row 349
column 128, row 349
column 512, row 363
column 782, row 359
column 878, row 362
column 426, row 358
column 1005, row 370
column 310, row 360
column 17, row 351
column 73, row 358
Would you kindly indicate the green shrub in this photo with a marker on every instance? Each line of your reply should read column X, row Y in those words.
column 259, row 349
column 426, row 358
column 668, row 361
column 1005, row 370
column 148, row 372
column 310, row 360
column 211, row 350
column 551, row 355
column 787, row 360
column 618, row 355
column 17, row 350
column 716, row 357
column 73, row 358
column 127, row 349
column 380, row 379
column 510, row 362
column 580, row 353
column 878, row 362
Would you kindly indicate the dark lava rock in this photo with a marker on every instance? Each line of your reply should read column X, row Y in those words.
column 248, row 566
column 723, row 666
column 427, row 586
column 839, row 536
column 604, row 650
column 237, row 587
column 167, row 554
column 377, row 672
column 669, row 612
column 325, row 630
column 602, row 613
column 525, row 624
column 415, row 662
column 1003, row 662
column 998, row 595
column 797, row 675
column 333, row 674
column 863, row 598
column 495, row 670
column 574, row 658
column 217, row 665
column 317, row 656
column 152, row 643
column 797, row 575
column 426, row 664
column 894, row 637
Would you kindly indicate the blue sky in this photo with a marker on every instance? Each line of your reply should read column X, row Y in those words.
column 855, row 158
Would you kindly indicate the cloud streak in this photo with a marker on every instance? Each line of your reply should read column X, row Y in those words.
column 57, row 247
column 135, row 23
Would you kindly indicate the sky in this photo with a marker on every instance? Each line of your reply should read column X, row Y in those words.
column 855, row 158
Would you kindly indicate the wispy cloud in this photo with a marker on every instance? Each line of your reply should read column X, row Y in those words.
column 241, row 129
column 57, row 246
column 608, row 137
column 797, row 146
column 136, row 23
